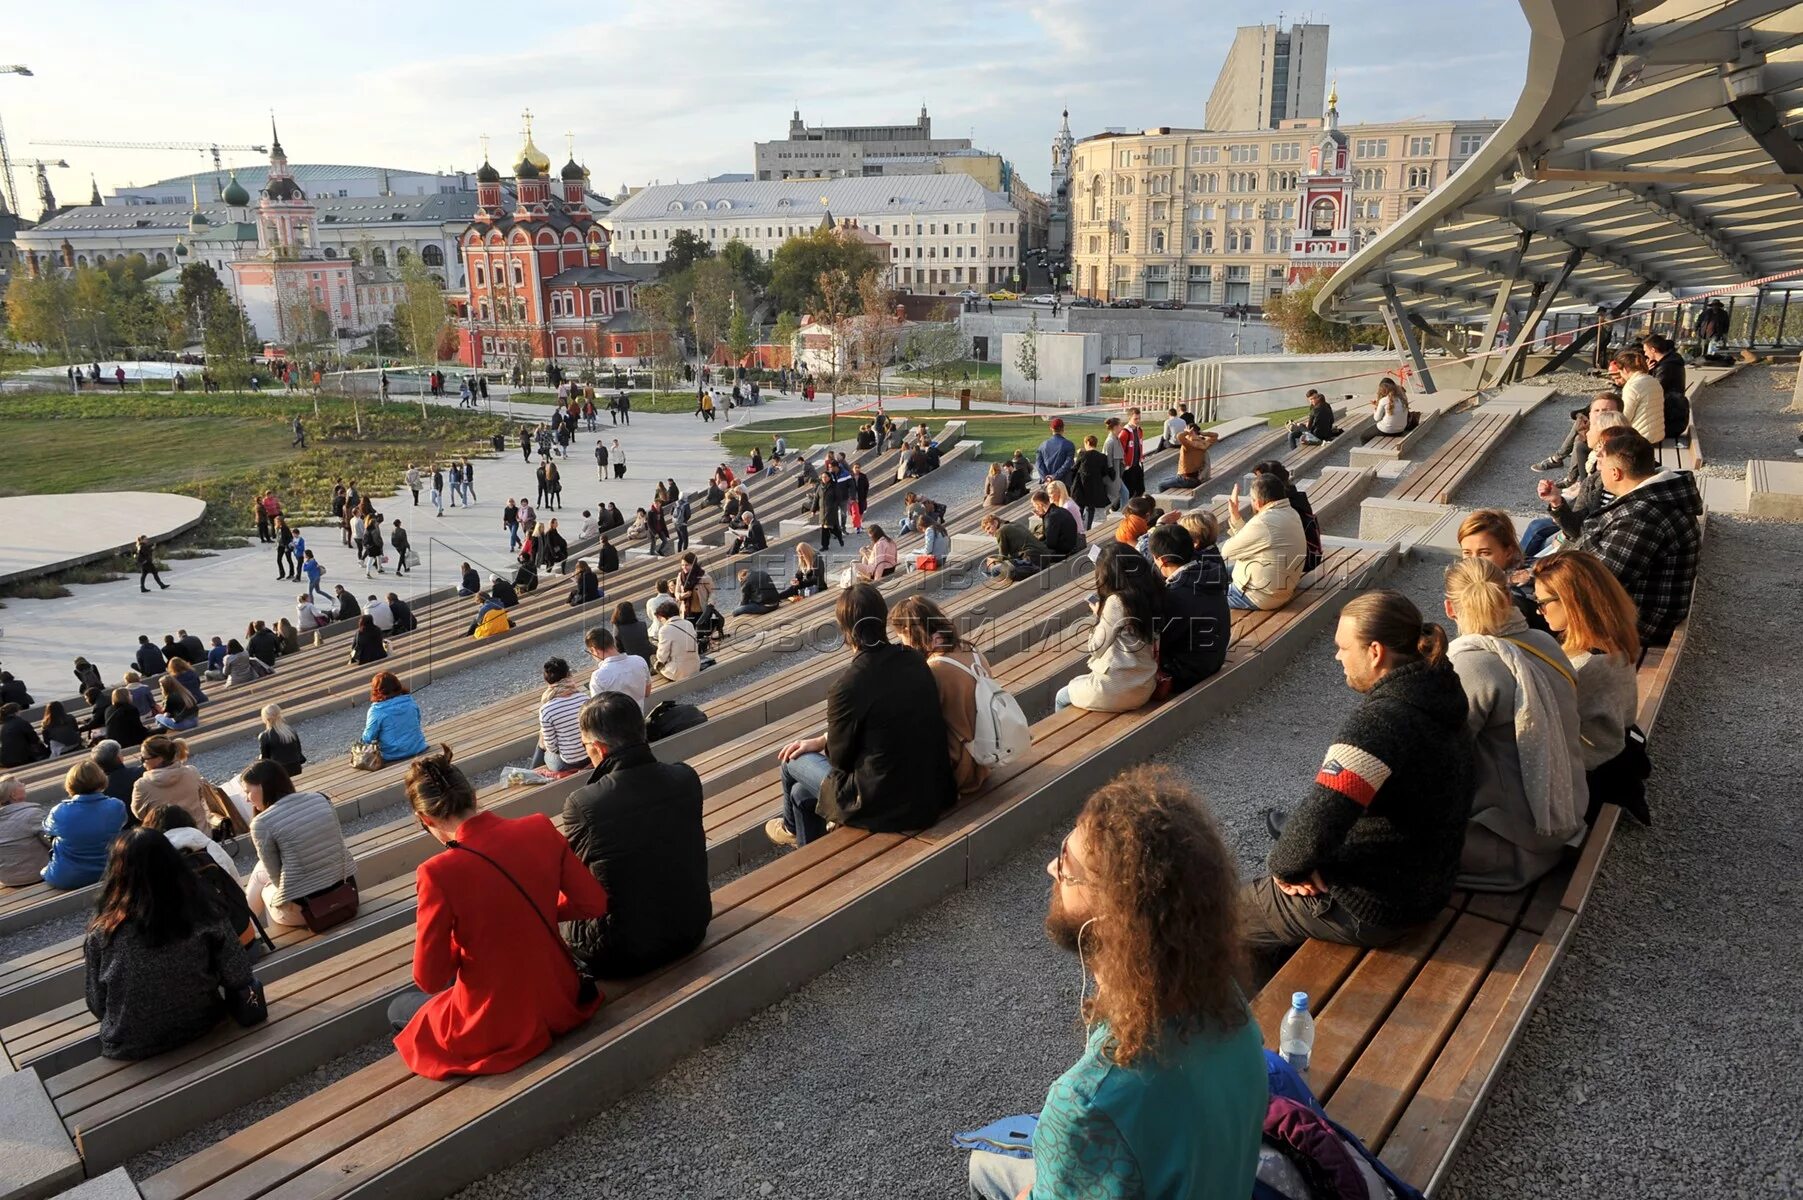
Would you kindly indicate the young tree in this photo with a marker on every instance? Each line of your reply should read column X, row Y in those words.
column 685, row 251
column 91, row 296
column 1304, row 331
column 1026, row 360
column 783, row 336
column 937, row 349
column 878, row 328
column 227, row 336
column 837, row 312
column 713, row 293
column 656, row 305
column 421, row 311
column 739, row 336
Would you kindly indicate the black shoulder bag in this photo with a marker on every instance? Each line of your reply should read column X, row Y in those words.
column 587, row 989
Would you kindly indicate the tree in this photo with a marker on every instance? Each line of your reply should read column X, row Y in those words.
column 802, row 261
column 198, row 284
column 91, row 295
column 42, row 311
column 837, row 312
column 685, row 251
column 753, row 271
column 1305, row 331
column 739, row 337
column 713, row 292
column 936, row 350
column 783, row 336
column 227, row 336
column 1026, row 360
column 878, row 328
column 656, row 304
column 420, row 315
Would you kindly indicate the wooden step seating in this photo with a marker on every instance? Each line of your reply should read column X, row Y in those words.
column 773, row 928
column 1411, row 1039
column 1391, row 446
column 1423, row 492
column 105, row 1104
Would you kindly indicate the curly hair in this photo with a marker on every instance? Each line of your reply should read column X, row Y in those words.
column 1167, row 900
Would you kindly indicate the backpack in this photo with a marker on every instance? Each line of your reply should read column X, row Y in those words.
column 1677, row 414
column 668, row 717
column 225, row 893
column 1001, row 733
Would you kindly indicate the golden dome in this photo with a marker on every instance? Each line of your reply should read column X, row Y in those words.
column 530, row 153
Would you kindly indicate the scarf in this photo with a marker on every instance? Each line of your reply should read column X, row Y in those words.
column 1540, row 746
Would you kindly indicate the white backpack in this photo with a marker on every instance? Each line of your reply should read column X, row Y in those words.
column 1001, row 734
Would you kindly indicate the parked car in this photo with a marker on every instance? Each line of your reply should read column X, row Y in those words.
column 1085, row 302
column 1004, row 295
column 970, row 294
column 1174, row 305
column 1044, row 298
column 1127, row 302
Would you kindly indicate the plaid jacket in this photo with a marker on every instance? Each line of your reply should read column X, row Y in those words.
column 1650, row 540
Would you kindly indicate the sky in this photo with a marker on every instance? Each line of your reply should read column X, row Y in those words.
column 669, row 90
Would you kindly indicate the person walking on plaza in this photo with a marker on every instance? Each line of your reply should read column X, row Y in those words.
column 399, row 540
column 285, row 567
column 618, row 454
column 147, row 566
column 413, row 483
column 300, row 435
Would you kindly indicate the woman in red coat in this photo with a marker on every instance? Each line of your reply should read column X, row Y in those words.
column 495, row 978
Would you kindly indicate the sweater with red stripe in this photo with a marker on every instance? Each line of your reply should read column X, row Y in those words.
column 1385, row 819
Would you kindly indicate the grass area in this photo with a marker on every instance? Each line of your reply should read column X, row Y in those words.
column 1000, row 433
column 979, row 372
column 221, row 448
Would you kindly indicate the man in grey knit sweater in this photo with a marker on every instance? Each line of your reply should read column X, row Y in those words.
column 1373, row 849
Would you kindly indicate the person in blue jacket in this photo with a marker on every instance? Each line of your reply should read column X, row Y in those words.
column 1057, row 458
column 393, row 723
column 81, row 829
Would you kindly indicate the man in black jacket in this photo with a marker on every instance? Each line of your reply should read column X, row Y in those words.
column 1196, row 624
column 1372, row 850
column 868, row 769
column 12, row 691
column 468, row 582
column 149, row 659
column 190, row 647
column 404, row 620
column 757, row 593
column 348, row 607
column 503, row 592
column 1059, row 529
column 637, row 824
column 264, row 645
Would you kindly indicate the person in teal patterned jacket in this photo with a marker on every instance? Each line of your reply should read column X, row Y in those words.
column 1168, row 1100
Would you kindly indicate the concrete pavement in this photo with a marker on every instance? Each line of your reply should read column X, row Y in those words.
column 40, row 534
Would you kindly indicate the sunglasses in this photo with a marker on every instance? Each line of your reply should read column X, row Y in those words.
column 1060, row 866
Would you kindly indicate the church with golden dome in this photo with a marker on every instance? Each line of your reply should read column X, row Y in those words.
column 540, row 283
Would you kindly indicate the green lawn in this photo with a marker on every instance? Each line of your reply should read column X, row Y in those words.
column 1000, row 433
column 221, row 448
column 980, row 372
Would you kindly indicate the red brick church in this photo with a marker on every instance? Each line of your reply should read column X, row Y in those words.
column 539, row 280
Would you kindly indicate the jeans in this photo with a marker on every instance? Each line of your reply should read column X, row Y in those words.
column 1276, row 920
column 178, row 726
column 284, row 562
column 1571, row 441
column 803, row 777
column 998, row 1176
column 438, row 501
column 754, row 610
column 402, row 1008
column 553, row 761
column 1237, row 598
column 1180, row 483
column 1534, row 539
column 513, row 535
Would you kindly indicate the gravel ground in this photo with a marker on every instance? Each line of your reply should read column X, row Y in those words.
column 1749, row 415
column 1504, row 481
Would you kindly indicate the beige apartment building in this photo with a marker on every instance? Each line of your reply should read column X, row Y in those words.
column 1207, row 217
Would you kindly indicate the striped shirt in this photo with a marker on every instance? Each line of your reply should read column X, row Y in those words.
column 560, row 724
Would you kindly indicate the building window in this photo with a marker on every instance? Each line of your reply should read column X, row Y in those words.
column 1158, row 241
column 1160, row 211
column 432, row 255
column 1095, row 244
column 1124, row 185
column 1204, row 154
column 1245, row 153
column 1286, row 152
column 1371, row 179
column 563, row 346
column 330, row 252
column 400, row 255
column 488, row 345
column 378, row 257
column 1469, row 144
column 1283, row 181
column 1126, row 158
column 1421, row 177
column 1421, row 147
column 1373, row 148
column 519, row 275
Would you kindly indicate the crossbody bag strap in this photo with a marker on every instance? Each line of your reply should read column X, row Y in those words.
column 1543, row 657
column 569, row 954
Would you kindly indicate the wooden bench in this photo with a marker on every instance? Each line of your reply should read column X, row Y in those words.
column 1440, row 474
column 382, row 1129
column 1390, row 446
column 1411, row 1039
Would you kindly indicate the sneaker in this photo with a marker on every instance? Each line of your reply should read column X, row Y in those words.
column 778, row 833
column 1550, row 462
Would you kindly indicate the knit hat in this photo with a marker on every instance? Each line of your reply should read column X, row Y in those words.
column 1057, row 424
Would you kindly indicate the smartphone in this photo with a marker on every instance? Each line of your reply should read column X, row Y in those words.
column 1095, row 598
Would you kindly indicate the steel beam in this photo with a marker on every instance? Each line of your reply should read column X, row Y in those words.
column 1543, row 300
column 1587, row 336
column 1400, row 323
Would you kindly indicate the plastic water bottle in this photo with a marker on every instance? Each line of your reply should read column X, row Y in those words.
column 1296, row 1039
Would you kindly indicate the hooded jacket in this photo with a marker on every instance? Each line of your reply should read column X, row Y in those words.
column 1649, row 539
column 1384, row 822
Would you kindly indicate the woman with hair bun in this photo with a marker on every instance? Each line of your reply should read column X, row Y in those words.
column 495, row 981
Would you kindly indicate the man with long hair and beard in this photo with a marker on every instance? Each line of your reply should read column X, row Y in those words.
column 1169, row 1097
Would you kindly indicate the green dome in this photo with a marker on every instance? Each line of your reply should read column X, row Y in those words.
column 181, row 249
column 234, row 193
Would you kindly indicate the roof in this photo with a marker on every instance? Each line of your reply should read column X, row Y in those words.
column 586, row 276
column 1631, row 163
column 812, row 198
column 255, row 178
column 332, row 210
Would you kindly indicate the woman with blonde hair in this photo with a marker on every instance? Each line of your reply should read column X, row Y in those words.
column 995, row 486
column 168, row 779
column 180, row 712
column 1058, row 494
column 1593, row 616
column 278, row 742
column 955, row 664
column 1522, row 710
column 810, row 573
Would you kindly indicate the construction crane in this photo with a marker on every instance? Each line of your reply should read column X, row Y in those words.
column 46, row 197
column 6, row 162
column 216, row 149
